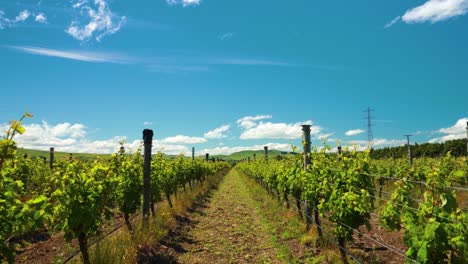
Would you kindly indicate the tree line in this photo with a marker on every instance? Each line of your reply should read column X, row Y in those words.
column 457, row 148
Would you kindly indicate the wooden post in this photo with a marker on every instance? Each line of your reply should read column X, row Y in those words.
column 265, row 150
column 306, row 162
column 410, row 155
column 207, row 156
column 254, row 156
column 51, row 158
column 248, row 160
column 148, row 139
column 306, row 144
column 192, row 180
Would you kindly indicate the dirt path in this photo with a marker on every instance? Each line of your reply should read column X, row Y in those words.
column 228, row 229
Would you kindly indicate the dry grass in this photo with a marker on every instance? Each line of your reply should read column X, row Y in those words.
column 122, row 247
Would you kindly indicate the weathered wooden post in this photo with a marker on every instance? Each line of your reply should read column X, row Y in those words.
column 410, row 155
column 192, row 180
column 207, row 156
column 306, row 162
column 254, row 156
column 51, row 158
column 147, row 139
column 265, row 157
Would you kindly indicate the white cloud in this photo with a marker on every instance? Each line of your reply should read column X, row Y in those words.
column 435, row 11
column 23, row 15
column 456, row 131
column 230, row 150
column 101, row 21
column 226, row 36
column 278, row 130
column 217, row 132
column 184, row 2
column 75, row 55
column 41, row 18
column 170, row 149
column 249, row 121
column 354, row 132
column 67, row 137
column 377, row 143
column 147, row 123
column 391, row 23
column 180, row 139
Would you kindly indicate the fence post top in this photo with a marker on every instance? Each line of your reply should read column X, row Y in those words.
column 305, row 128
column 147, row 135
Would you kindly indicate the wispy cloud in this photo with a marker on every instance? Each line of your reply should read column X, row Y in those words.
column 23, row 15
column 218, row 132
column 41, row 18
column 20, row 18
column 180, row 139
column 96, row 20
column 184, row 2
column 226, row 36
column 251, row 62
column 354, row 132
column 391, row 23
column 173, row 68
column 435, row 11
column 74, row 55
column 247, row 122
column 2, row 19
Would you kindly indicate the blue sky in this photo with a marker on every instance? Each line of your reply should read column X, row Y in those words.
column 231, row 75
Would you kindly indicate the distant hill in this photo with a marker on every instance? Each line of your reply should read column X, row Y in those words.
column 250, row 153
column 57, row 155
column 234, row 156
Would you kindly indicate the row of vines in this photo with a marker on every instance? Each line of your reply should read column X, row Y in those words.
column 344, row 189
column 77, row 196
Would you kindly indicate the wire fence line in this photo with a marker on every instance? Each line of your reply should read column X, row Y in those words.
column 382, row 243
column 76, row 252
column 415, row 209
column 399, row 179
column 390, row 194
column 334, row 239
